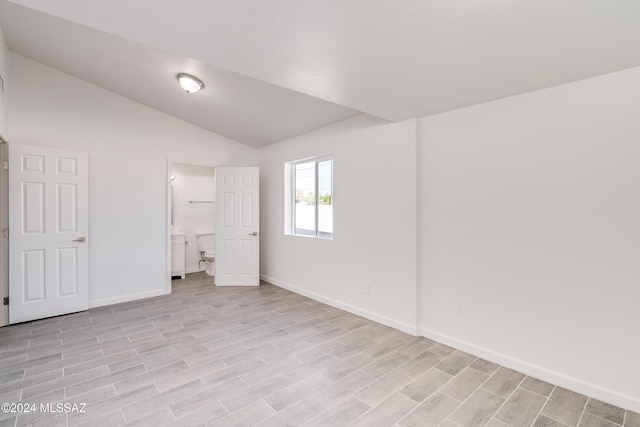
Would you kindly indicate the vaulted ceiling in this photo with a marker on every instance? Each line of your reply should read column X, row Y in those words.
column 274, row 69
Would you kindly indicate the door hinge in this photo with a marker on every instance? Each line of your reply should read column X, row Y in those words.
column 5, row 232
column 5, row 301
column 5, row 165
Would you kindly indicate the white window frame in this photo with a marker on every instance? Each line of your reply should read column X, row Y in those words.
column 290, row 196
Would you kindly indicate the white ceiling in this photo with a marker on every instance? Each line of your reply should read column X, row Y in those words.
column 388, row 58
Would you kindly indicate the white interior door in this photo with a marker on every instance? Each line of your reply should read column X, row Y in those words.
column 48, row 227
column 237, row 226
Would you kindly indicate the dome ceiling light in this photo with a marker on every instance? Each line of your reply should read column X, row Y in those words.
column 189, row 83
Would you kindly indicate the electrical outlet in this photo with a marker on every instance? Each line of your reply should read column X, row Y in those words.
column 462, row 305
column 367, row 287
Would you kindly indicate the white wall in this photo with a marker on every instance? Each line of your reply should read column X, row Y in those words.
column 374, row 220
column 530, row 210
column 193, row 183
column 4, row 74
column 129, row 146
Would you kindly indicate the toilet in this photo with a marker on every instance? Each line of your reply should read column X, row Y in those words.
column 207, row 247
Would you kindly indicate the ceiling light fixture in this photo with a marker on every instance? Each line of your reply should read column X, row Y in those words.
column 189, row 83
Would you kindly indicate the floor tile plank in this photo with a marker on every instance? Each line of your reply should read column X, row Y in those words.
column 224, row 356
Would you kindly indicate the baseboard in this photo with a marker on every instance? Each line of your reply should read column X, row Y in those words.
column 579, row 386
column 404, row 327
column 126, row 298
column 194, row 270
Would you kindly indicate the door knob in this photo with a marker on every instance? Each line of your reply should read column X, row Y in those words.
column 255, row 233
column 80, row 239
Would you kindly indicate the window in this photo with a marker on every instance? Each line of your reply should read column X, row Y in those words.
column 311, row 198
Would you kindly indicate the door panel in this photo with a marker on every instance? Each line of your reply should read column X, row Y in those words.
column 48, row 226
column 67, row 208
column 67, row 166
column 229, row 214
column 33, row 208
column 228, row 258
column 246, row 260
column 34, row 273
column 67, row 272
column 237, row 231
column 247, row 210
column 32, row 163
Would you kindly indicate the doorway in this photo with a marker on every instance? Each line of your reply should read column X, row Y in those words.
column 235, row 219
column 192, row 218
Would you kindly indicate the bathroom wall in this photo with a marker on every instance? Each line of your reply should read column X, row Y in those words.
column 195, row 183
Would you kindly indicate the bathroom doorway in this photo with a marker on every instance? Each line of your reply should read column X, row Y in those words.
column 191, row 213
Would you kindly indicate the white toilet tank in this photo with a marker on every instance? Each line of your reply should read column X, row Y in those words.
column 206, row 241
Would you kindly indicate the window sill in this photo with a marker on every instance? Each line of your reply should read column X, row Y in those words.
column 305, row 236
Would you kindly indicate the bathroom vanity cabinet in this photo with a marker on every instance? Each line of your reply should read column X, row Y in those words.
column 178, row 254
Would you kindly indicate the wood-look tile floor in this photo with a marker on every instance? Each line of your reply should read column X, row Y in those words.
column 262, row 356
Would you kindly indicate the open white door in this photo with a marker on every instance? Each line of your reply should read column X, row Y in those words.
column 48, row 227
column 237, row 226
